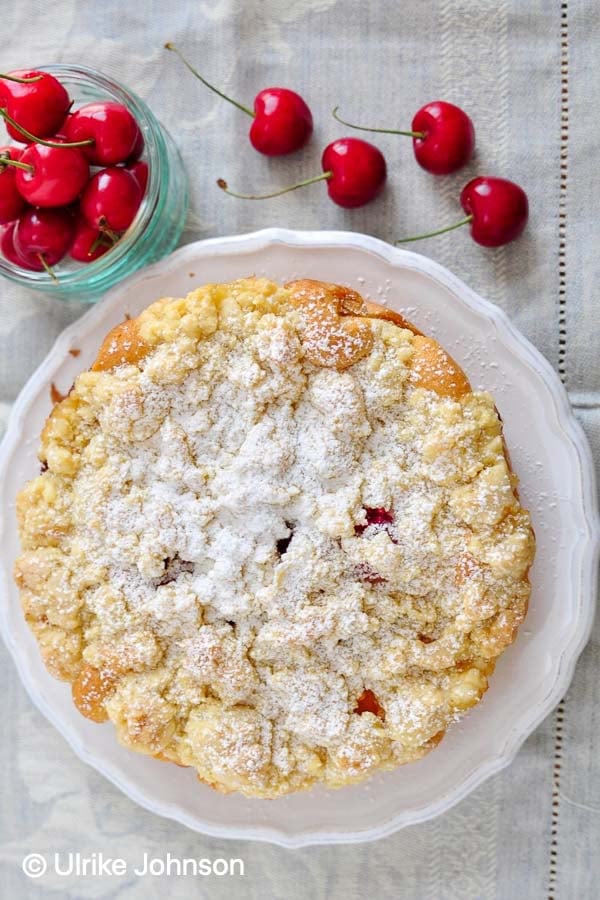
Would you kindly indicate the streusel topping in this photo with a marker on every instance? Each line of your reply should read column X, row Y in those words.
column 278, row 538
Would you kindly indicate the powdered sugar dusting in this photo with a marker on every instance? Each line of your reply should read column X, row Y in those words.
column 225, row 562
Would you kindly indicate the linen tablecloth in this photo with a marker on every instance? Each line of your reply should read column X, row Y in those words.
column 527, row 72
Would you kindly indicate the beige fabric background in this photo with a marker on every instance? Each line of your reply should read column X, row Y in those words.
column 527, row 71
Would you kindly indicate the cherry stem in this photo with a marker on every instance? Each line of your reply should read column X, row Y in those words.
column 428, row 234
column 38, row 140
column 105, row 229
column 293, row 187
column 21, row 80
column 47, row 268
column 413, row 134
column 5, row 160
column 102, row 238
column 245, row 109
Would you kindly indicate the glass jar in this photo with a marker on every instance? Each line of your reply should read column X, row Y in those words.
column 159, row 221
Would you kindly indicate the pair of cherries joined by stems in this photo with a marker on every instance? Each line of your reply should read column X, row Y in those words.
column 355, row 171
column 40, row 184
column 443, row 142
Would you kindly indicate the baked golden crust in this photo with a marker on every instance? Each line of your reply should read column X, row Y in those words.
column 122, row 345
column 278, row 538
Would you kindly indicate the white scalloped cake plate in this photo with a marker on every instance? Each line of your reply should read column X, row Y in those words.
column 549, row 454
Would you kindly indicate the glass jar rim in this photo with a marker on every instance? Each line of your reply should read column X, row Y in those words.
column 153, row 142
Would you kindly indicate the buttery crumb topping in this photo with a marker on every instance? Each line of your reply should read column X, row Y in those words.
column 275, row 541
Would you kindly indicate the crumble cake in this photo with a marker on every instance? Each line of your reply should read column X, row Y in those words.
column 276, row 537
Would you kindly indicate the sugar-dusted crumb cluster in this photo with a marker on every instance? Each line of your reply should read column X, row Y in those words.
column 277, row 539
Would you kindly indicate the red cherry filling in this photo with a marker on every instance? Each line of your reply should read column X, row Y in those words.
column 368, row 702
column 365, row 572
column 375, row 515
column 283, row 543
column 174, row 567
column 381, row 518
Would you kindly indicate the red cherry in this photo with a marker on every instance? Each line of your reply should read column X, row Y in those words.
column 448, row 137
column 9, row 251
column 43, row 234
column 138, row 147
column 354, row 170
column 61, row 135
column 40, row 105
column 139, row 170
column 443, row 136
column 57, row 177
column 499, row 210
column 111, row 199
column 358, row 171
column 110, row 126
column 282, row 121
column 15, row 152
column 11, row 202
column 88, row 243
